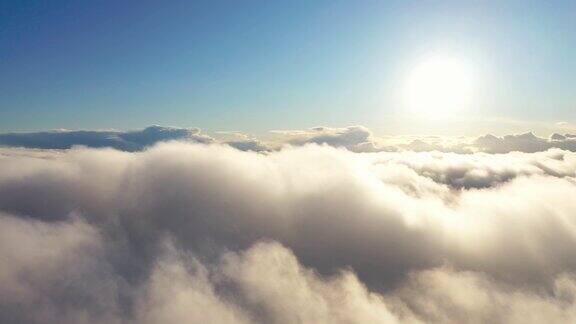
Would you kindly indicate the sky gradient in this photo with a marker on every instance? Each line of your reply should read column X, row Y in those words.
column 305, row 161
column 257, row 66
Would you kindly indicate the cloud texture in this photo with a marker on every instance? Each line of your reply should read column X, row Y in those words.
column 353, row 138
column 191, row 232
column 121, row 140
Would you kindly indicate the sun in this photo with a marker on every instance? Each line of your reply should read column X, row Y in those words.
column 440, row 86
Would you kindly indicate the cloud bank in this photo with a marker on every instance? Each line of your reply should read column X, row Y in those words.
column 353, row 138
column 191, row 232
column 121, row 140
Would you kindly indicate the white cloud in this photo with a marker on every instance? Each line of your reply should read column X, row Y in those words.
column 353, row 138
column 195, row 232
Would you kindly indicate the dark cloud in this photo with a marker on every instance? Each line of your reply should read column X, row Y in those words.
column 127, row 141
column 249, row 145
column 185, row 232
column 527, row 142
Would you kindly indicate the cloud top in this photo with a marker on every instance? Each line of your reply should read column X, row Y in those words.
column 192, row 232
column 127, row 141
column 353, row 138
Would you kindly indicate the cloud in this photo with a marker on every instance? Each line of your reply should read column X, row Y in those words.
column 312, row 233
column 479, row 170
column 353, row 138
column 180, row 290
column 54, row 273
column 566, row 126
column 527, row 142
column 446, row 296
column 127, row 141
column 360, row 139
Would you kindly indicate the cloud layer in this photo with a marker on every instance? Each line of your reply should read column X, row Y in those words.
column 121, row 140
column 191, row 232
column 353, row 138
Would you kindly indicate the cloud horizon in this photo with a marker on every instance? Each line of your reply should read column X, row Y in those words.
column 354, row 138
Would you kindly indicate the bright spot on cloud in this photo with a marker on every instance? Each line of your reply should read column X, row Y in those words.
column 439, row 86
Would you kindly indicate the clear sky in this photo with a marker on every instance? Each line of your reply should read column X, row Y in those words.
column 260, row 65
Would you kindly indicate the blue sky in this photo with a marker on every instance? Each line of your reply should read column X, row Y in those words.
column 259, row 65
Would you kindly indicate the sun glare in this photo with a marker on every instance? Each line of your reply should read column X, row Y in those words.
column 439, row 87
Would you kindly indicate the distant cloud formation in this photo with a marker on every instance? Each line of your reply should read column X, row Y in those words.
column 353, row 138
column 207, row 233
column 121, row 140
column 527, row 142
